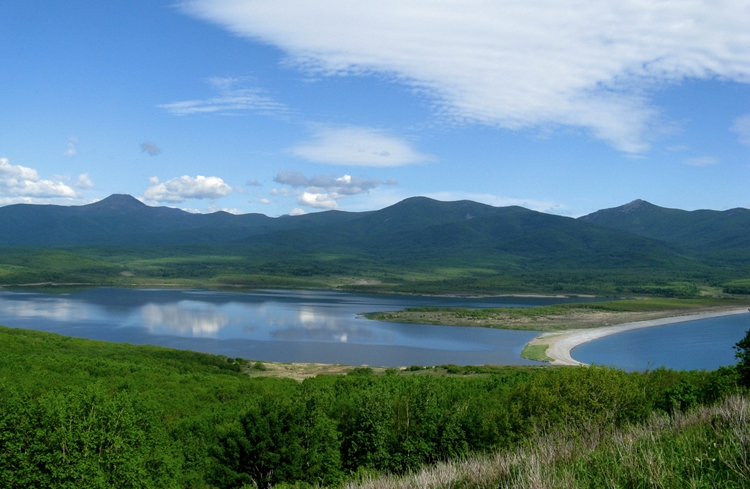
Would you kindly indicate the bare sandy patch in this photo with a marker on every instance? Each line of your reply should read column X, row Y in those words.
column 301, row 371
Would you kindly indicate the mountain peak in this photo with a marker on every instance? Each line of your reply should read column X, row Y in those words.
column 637, row 204
column 118, row 202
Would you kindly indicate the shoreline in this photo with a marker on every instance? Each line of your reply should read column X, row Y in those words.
column 450, row 295
column 560, row 345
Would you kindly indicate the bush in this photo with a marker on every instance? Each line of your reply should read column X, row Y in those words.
column 743, row 355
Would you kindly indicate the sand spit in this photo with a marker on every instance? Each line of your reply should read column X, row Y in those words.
column 561, row 344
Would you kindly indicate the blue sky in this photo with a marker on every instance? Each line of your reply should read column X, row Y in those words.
column 293, row 106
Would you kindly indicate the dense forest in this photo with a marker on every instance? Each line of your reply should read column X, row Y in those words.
column 83, row 413
column 418, row 245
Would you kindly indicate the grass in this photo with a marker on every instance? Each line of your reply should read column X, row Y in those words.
column 536, row 352
column 560, row 317
column 708, row 447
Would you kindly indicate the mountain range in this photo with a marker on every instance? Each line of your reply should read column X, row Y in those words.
column 414, row 232
column 124, row 220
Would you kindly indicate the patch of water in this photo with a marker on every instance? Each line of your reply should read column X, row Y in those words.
column 283, row 326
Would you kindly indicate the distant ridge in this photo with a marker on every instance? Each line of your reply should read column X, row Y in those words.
column 714, row 232
column 415, row 230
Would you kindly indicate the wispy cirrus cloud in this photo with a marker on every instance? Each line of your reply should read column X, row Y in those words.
column 513, row 64
column 233, row 97
column 358, row 146
column 324, row 192
column 72, row 147
column 702, row 161
column 741, row 127
column 185, row 187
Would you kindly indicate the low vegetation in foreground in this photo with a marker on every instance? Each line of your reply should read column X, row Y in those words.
column 705, row 447
column 82, row 413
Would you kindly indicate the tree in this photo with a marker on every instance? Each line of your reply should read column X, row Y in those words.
column 277, row 440
column 83, row 437
column 743, row 356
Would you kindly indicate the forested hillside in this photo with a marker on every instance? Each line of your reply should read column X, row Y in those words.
column 81, row 413
column 720, row 235
column 417, row 245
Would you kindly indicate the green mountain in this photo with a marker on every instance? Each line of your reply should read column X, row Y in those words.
column 121, row 220
column 436, row 245
column 425, row 230
column 714, row 235
column 414, row 230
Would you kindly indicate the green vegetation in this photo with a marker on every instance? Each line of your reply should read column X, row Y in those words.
column 560, row 316
column 243, row 266
column 418, row 246
column 707, row 447
column 536, row 352
column 737, row 287
column 743, row 356
column 85, row 413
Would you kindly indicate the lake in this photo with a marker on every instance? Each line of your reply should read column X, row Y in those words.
column 272, row 325
column 324, row 327
column 694, row 345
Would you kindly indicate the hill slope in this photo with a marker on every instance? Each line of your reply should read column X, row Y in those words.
column 460, row 245
column 123, row 220
column 718, row 235
column 464, row 233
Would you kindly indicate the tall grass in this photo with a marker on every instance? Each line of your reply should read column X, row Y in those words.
column 707, row 447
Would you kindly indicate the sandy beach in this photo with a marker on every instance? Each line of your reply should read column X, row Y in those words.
column 561, row 344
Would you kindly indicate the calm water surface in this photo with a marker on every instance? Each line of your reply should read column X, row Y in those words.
column 283, row 326
column 705, row 344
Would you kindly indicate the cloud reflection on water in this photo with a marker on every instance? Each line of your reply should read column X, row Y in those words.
column 314, row 325
column 269, row 325
column 62, row 309
column 185, row 317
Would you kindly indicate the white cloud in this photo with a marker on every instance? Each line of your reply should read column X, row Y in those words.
column 150, row 148
column 186, row 187
column 215, row 208
column 16, row 172
column 359, row 146
column 231, row 99
column 20, row 184
column 253, row 183
column 513, row 64
column 323, row 192
column 283, row 191
column 702, row 161
column 741, row 127
column 318, row 201
column 500, row 201
column 84, row 182
column 72, row 150
column 297, row 212
column 340, row 186
column 264, row 201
